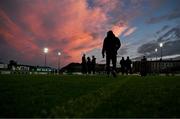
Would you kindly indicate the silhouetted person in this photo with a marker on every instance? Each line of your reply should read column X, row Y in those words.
column 12, row 65
column 93, row 64
column 111, row 45
column 143, row 66
column 89, row 65
column 128, row 63
column 122, row 63
column 84, row 66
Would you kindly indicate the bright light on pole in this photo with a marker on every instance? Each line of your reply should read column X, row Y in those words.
column 59, row 54
column 45, row 52
column 156, row 52
column 161, row 46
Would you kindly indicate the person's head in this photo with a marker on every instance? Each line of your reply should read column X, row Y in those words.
column 88, row 58
column 122, row 58
column 127, row 57
column 144, row 57
column 84, row 55
column 93, row 57
column 110, row 34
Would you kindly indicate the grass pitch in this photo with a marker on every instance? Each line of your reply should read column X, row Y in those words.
column 89, row 96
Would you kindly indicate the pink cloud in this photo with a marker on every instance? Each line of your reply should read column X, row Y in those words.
column 15, row 37
column 70, row 26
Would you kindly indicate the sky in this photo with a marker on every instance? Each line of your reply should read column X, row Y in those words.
column 74, row 27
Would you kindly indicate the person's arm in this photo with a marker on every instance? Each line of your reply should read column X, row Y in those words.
column 118, row 44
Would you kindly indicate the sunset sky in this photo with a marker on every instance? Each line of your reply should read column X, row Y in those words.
column 74, row 27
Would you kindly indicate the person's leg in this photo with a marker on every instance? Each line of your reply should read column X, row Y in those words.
column 130, row 70
column 122, row 71
column 89, row 68
column 83, row 69
column 126, row 71
column 114, row 58
column 93, row 69
column 88, row 71
column 108, row 64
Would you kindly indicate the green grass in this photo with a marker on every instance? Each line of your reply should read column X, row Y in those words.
column 89, row 96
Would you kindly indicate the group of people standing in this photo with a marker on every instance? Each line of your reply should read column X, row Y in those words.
column 88, row 65
column 111, row 45
column 126, row 65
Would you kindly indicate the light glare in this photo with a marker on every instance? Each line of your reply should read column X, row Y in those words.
column 59, row 53
column 45, row 50
column 156, row 50
column 161, row 44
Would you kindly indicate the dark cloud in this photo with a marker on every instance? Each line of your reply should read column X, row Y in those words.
column 79, row 47
column 7, row 53
column 171, row 43
column 122, row 51
column 147, row 47
column 48, row 42
column 9, row 6
column 138, row 58
column 2, row 41
column 171, row 16
column 172, row 34
column 163, row 29
column 169, row 48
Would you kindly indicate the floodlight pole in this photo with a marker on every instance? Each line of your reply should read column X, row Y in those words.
column 156, row 53
column 161, row 45
column 45, row 53
column 161, row 53
column 59, row 54
column 58, row 63
column 45, row 60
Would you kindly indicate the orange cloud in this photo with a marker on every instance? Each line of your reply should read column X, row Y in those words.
column 119, row 29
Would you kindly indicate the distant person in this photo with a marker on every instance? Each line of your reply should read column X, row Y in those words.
column 89, row 65
column 111, row 45
column 143, row 70
column 122, row 63
column 128, row 67
column 93, row 64
column 84, row 66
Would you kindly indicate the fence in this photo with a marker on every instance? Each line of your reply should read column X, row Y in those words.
column 164, row 66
